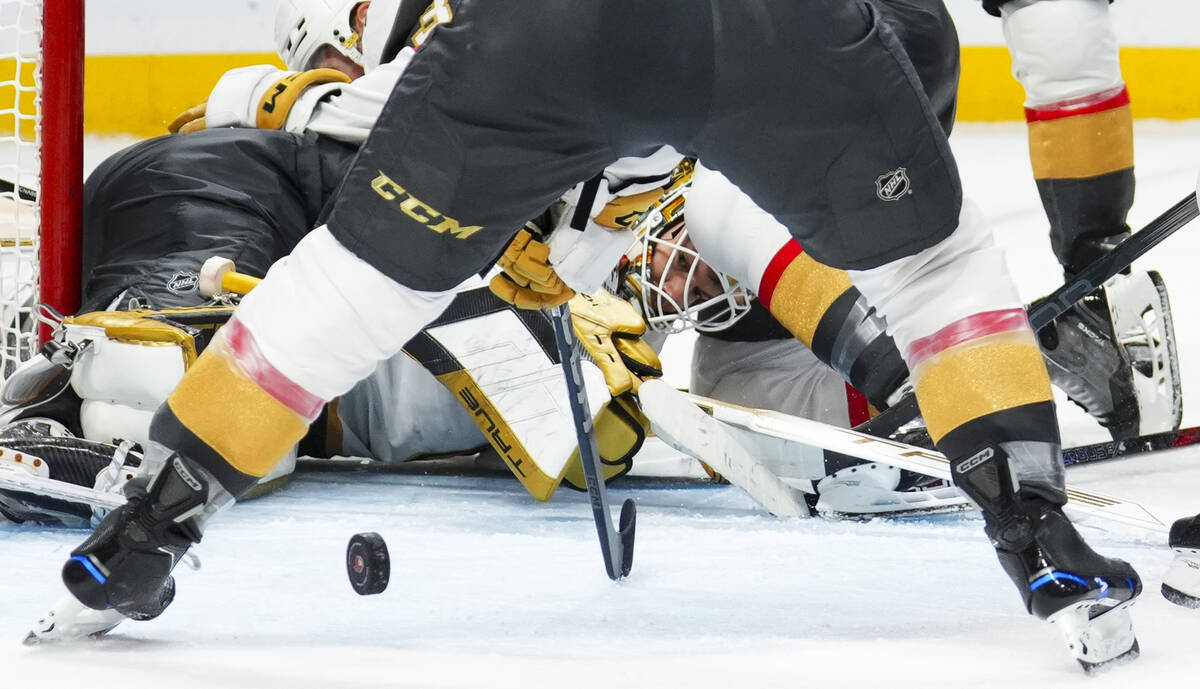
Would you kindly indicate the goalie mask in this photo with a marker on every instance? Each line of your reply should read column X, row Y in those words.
column 669, row 281
column 304, row 27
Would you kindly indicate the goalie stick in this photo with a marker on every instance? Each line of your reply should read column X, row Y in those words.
column 616, row 545
column 1061, row 299
column 805, row 443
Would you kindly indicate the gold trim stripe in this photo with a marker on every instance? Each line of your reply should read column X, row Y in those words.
column 227, row 410
column 1082, row 146
column 804, row 293
column 1006, row 371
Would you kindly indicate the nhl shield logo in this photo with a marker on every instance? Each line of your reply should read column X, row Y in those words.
column 183, row 282
column 893, row 186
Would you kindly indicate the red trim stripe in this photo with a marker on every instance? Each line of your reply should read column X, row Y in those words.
column 770, row 279
column 966, row 329
column 266, row 376
column 1084, row 105
column 857, row 405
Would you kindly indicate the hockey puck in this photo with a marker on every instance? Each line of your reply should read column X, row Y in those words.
column 367, row 563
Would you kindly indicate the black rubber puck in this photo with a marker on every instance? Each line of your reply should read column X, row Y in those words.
column 368, row 564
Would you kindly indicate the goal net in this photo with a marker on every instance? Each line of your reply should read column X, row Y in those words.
column 41, row 130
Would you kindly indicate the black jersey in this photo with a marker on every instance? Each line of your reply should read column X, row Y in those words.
column 154, row 212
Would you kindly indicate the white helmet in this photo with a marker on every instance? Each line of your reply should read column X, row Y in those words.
column 302, row 27
column 662, row 230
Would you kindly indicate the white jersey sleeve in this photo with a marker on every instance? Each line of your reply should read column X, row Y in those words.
column 729, row 230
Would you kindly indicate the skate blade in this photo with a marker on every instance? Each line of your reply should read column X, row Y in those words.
column 1180, row 598
column 1181, row 582
column 70, row 620
column 1098, row 642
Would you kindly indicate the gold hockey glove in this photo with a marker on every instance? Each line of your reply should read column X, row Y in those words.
column 528, row 280
column 611, row 330
column 190, row 120
column 277, row 102
column 620, row 428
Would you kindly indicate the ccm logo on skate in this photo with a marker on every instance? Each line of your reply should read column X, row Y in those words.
column 418, row 210
column 893, row 185
column 185, row 475
column 974, row 461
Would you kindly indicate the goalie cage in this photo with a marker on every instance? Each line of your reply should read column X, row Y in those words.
column 41, row 168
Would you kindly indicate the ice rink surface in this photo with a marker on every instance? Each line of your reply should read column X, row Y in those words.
column 491, row 589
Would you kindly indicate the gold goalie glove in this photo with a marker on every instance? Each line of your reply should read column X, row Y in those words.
column 273, row 107
column 528, row 280
column 611, row 330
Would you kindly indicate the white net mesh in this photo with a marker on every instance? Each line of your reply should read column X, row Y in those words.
column 20, row 164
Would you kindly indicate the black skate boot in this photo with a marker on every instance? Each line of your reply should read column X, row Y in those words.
column 1114, row 355
column 1181, row 583
column 126, row 564
column 1085, row 362
column 1061, row 579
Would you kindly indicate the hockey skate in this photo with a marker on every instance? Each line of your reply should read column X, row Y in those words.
column 48, row 476
column 1113, row 354
column 1063, row 581
column 1181, row 583
column 1085, row 595
column 872, row 489
column 123, row 570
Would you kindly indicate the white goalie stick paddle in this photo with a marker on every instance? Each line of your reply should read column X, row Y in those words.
column 807, row 436
column 681, row 424
column 615, row 544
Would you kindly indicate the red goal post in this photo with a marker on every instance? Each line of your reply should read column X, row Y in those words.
column 41, row 160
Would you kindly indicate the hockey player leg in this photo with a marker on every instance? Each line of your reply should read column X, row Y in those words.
column 986, row 398
column 202, row 455
column 1065, row 55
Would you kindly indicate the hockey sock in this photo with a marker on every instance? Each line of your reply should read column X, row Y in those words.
column 823, row 310
column 233, row 413
column 1082, row 155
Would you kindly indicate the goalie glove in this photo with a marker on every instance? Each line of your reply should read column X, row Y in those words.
column 264, row 97
column 190, row 120
column 620, row 429
column 528, row 280
column 611, row 330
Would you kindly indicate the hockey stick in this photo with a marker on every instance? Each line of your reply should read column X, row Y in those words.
column 23, row 193
column 616, row 545
column 801, row 441
column 1061, row 299
column 1113, row 449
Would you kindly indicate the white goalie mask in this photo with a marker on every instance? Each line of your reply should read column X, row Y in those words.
column 303, row 27
column 669, row 280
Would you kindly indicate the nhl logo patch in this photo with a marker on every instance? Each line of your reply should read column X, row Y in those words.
column 183, row 282
column 893, row 186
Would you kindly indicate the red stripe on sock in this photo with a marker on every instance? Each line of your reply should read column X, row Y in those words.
column 770, row 279
column 857, row 405
column 965, row 329
column 1097, row 102
column 266, row 376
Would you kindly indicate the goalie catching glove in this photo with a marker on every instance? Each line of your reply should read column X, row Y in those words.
column 528, row 280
